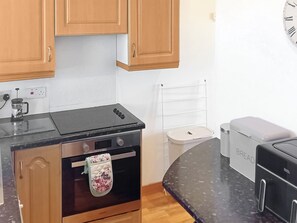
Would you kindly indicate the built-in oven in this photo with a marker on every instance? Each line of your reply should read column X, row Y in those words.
column 77, row 200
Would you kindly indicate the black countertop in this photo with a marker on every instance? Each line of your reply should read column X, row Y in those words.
column 9, row 211
column 202, row 181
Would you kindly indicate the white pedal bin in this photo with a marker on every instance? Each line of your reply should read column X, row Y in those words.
column 245, row 134
column 182, row 139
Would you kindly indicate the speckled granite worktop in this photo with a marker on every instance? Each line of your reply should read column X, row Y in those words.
column 9, row 211
column 202, row 181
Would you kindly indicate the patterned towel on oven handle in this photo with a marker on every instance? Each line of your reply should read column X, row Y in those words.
column 99, row 168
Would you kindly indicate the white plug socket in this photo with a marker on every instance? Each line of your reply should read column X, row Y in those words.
column 37, row 92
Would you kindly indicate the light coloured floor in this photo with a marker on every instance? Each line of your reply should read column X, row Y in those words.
column 160, row 208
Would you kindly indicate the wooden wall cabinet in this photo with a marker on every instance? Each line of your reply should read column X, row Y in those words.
column 27, row 46
column 38, row 178
column 153, row 36
column 84, row 17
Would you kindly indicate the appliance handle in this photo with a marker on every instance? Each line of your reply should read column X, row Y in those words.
column 262, row 194
column 113, row 157
column 27, row 111
column 293, row 217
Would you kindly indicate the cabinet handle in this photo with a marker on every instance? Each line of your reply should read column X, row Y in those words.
column 21, row 169
column 113, row 158
column 134, row 50
column 20, row 204
column 49, row 54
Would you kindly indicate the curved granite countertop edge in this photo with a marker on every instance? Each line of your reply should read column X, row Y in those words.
column 9, row 211
column 204, row 184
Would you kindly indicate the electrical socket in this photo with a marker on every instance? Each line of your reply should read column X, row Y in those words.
column 2, row 93
column 37, row 92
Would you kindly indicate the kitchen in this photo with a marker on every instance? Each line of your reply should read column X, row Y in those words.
column 231, row 53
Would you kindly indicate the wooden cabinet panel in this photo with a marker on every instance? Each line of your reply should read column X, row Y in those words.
column 82, row 17
column 130, row 217
column 154, row 31
column 38, row 177
column 27, row 39
column 153, row 40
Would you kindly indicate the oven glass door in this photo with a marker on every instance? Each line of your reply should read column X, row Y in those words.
column 76, row 195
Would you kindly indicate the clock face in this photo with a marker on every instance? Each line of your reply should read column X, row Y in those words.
column 290, row 19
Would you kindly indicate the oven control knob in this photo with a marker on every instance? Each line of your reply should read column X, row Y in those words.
column 86, row 147
column 120, row 141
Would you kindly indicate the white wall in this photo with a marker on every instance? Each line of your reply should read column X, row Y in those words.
column 255, row 63
column 139, row 91
column 85, row 76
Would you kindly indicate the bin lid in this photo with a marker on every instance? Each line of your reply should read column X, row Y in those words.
column 189, row 134
column 259, row 129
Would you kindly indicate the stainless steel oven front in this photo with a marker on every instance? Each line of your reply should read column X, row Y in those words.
column 77, row 199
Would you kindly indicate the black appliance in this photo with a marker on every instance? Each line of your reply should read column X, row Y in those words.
column 124, row 146
column 276, row 179
column 125, row 153
column 96, row 118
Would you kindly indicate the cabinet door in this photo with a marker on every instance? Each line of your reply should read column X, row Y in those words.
column 38, row 178
column 27, row 39
column 154, row 32
column 82, row 17
column 130, row 217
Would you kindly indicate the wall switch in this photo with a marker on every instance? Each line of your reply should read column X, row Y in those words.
column 2, row 93
column 37, row 92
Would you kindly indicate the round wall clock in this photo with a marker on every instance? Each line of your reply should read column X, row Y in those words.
column 290, row 19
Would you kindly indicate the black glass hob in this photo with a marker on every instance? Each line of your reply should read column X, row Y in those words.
column 88, row 119
column 25, row 127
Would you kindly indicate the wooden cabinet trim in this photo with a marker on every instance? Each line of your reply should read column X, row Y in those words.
column 103, row 212
column 147, row 66
column 26, row 76
column 130, row 217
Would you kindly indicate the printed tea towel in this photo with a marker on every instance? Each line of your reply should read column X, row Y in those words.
column 99, row 169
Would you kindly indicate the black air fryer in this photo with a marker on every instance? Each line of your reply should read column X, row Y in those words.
column 276, row 179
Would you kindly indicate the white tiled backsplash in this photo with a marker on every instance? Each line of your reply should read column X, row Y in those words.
column 85, row 76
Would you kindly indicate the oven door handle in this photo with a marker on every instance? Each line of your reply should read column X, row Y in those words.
column 113, row 157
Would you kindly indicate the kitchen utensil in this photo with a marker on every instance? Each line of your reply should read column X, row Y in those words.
column 17, row 104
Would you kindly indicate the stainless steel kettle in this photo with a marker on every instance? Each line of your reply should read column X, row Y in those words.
column 17, row 104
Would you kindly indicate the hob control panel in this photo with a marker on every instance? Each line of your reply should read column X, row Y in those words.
column 118, row 113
